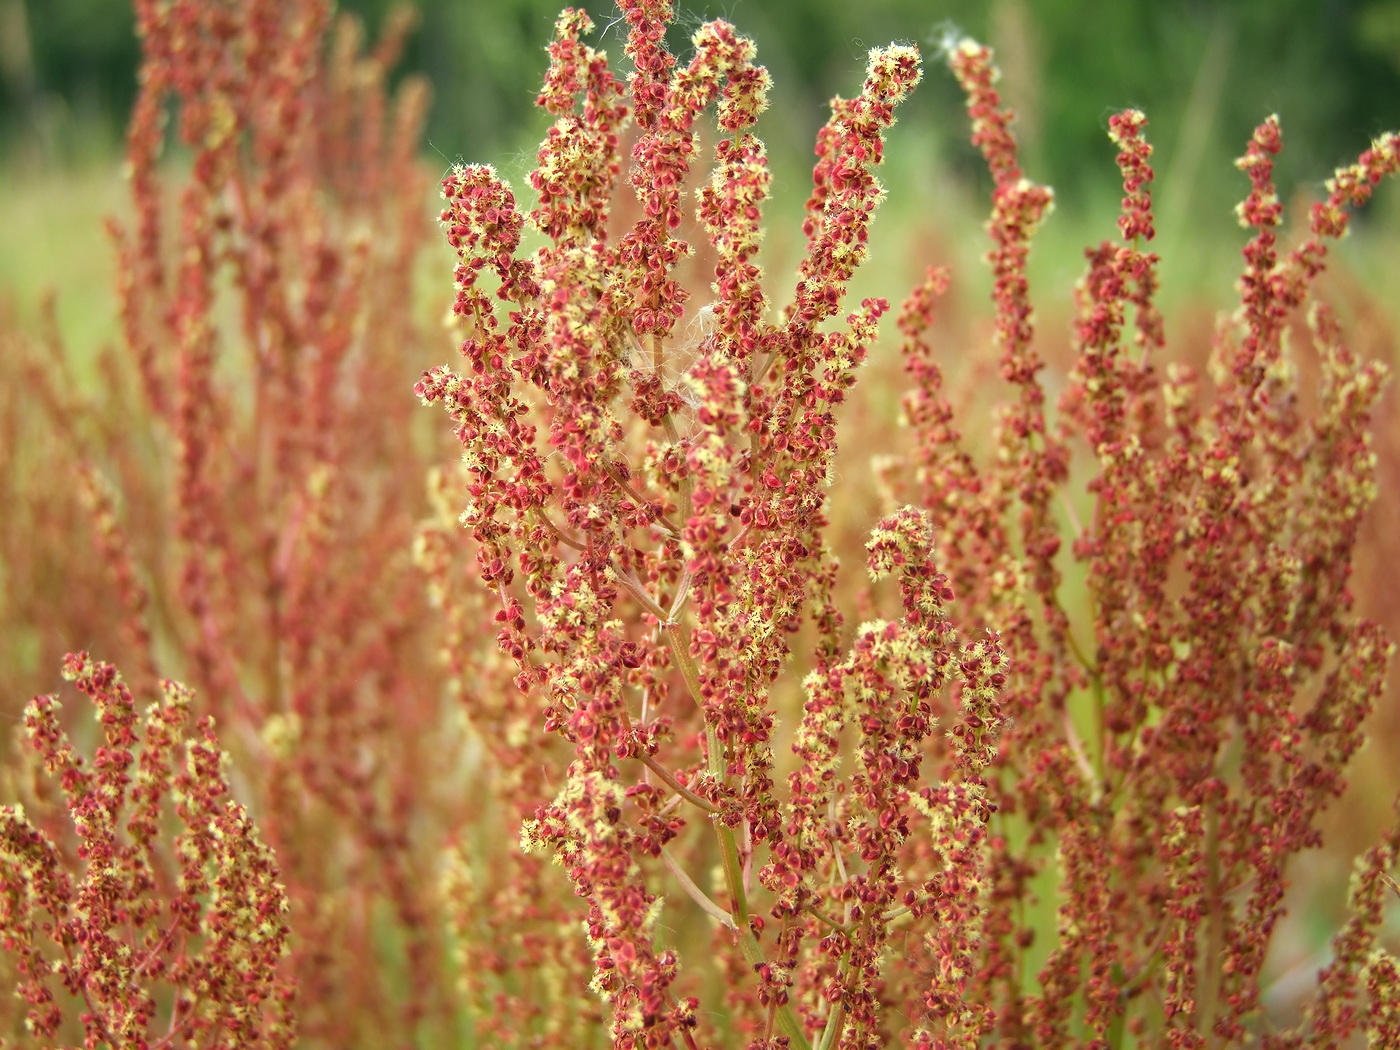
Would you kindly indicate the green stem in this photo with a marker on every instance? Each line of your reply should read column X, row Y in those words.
column 635, row 588
column 837, row 926
column 1208, row 991
column 733, row 871
column 695, row 893
column 787, row 1021
column 836, row 1020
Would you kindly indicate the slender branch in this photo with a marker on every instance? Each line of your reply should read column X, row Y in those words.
column 641, row 500
column 558, row 533
column 714, row 756
column 674, row 784
column 1079, row 655
column 1208, row 995
column 680, row 649
column 733, row 872
column 1076, row 747
column 787, row 1020
column 152, row 955
column 657, row 354
column 835, row 1022
column 682, row 593
column 1135, row 978
column 1394, row 886
column 695, row 893
column 738, row 540
column 635, row 587
column 823, row 917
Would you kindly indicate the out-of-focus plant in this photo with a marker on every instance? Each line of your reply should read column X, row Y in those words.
column 1050, row 802
column 251, row 472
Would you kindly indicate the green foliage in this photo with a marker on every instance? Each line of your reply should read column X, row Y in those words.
column 1205, row 71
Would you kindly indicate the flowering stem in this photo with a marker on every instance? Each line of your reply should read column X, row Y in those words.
column 635, row 588
column 558, row 534
column 669, row 425
column 177, row 1027
column 838, row 927
column 682, row 593
column 1076, row 747
column 835, row 1023
column 1215, row 943
column 733, row 873
column 641, row 500
column 1074, row 647
column 714, row 756
column 680, row 649
column 748, row 944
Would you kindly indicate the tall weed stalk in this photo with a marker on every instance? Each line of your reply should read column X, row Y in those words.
column 648, row 481
column 1050, row 798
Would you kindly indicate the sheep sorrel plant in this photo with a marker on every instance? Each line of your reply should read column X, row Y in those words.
column 159, row 949
column 252, row 471
column 1043, row 813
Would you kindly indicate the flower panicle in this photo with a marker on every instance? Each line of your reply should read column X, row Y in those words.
column 1160, row 693
column 125, row 942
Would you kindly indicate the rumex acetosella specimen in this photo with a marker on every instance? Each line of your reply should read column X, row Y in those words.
column 247, row 460
column 648, row 506
column 184, row 937
column 1051, row 802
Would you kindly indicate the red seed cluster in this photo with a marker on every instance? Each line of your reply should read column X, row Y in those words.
column 182, row 939
column 646, row 484
column 595, row 739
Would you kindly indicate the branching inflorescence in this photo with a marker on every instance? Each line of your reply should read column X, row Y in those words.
column 1050, row 802
column 162, row 946
column 244, row 466
column 650, row 516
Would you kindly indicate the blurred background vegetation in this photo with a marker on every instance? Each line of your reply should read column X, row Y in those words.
column 1205, row 71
